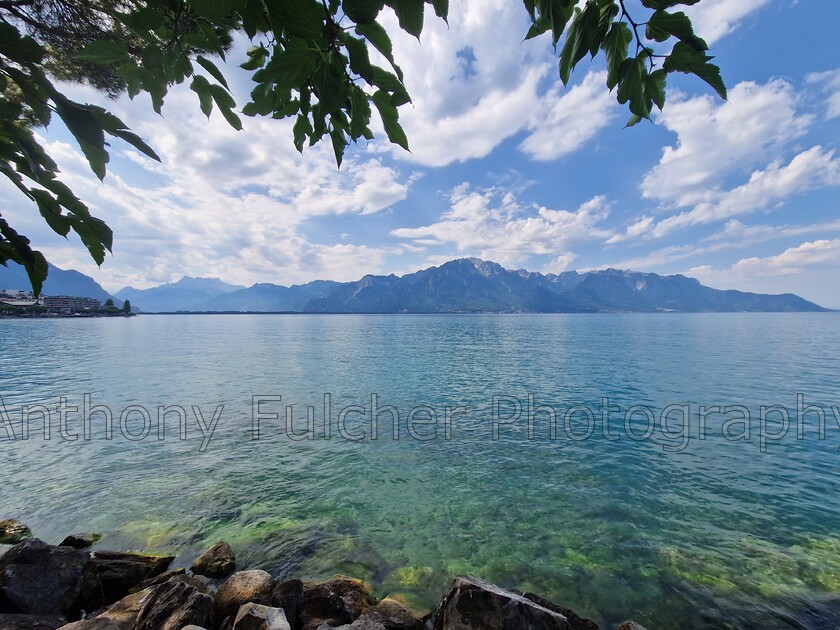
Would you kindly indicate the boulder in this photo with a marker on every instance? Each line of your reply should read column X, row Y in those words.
column 162, row 578
column 241, row 588
column 13, row 532
column 30, row 622
column 393, row 615
column 259, row 617
column 80, row 541
column 289, row 597
column 37, row 579
column 111, row 575
column 336, row 602
column 169, row 606
column 217, row 562
column 360, row 624
column 630, row 625
column 474, row 604
column 575, row 621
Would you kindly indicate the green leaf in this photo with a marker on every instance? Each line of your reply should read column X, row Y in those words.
column 441, row 8
column 539, row 27
column 201, row 86
column 631, row 85
column 137, row 142
column 663, row 25
column 301, row 129
column 686, row 59
column 339, row 142
column 362, row 11
column 256, row 58
column 615, row 46
column 213, row 9
column 410, row 15
column 292, row 67
column 105, row 51
column 357, row 51
column 233, row 120
column 330, row 85
column 87, row 131
column 655, row 87
column 578, row 40
column 667, row 4
column 390, row 119
column 359, row 112
column 212, row 69
column 377, row 36
column 633, row 121
column 20, row 49
column 300, row 18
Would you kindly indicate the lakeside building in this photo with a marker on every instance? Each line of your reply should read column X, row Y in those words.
column 13, row 297
column 70, row 304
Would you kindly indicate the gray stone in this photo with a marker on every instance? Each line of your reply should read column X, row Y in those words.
column 13, row 532
column 242, row 588
column 217, row 562
column 30, row 622
column 80, row 541
column 336, row 602
column 37, row 579
column 259, row 617
column 474, row 604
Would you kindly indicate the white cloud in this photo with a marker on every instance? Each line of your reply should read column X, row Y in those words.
column 566, row 120
column 829, row 82
column 713, row 19
column 493, row 224
column 716, row 138
column 794, row 260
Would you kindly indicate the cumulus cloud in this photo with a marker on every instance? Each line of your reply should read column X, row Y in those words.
column 829, row 84
column 822, row 254
column 713, row 19
column 559, row 126
column 492, row 223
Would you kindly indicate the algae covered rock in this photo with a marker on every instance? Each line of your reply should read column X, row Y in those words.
column 241, row 588
column 474, row 604
column 38, row 579
column 393, row 615
column 335, row 602
column 289, row 596
column 13, row 532
column 217, row 562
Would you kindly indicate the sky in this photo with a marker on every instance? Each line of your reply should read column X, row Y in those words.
column 506, row 164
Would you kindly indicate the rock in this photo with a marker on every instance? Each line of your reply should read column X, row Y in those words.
column 160, row 579
column 13, row 532
column 174, row 605
column 474, row 604
column 393, row 615
column 575, row 621
column 259, row 617
column 338, row 601
column 193, row 628
column 242, row 588
column 169, row 606
column 37, row 579
column 30, row 622
column 217, row 562
column 112, row 575
column 360, row 624
column 80, row 541
column 630, row 625
column 289, row 597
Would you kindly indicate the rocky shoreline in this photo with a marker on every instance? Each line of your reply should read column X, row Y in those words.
column 46, row 587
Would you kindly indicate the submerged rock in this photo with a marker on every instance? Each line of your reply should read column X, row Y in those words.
column 13, row 532
column 241, row 588
column 336, row 602
column 112, row 575
column 217, row 562
column 393, row 615
column 37, row 579
column 80, row 541
column 30, row 622
column 259, row 617
column 474, row 604
column 359, row 624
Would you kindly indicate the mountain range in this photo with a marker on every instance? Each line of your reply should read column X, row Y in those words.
column 466, row 285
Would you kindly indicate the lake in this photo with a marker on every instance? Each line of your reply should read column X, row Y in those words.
column 621, row 465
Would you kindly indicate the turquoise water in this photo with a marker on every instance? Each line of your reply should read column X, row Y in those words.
column 676, row 532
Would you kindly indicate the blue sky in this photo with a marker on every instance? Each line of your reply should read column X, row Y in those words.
column 506, row 164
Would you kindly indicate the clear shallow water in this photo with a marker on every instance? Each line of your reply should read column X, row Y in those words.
column 713, row 535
